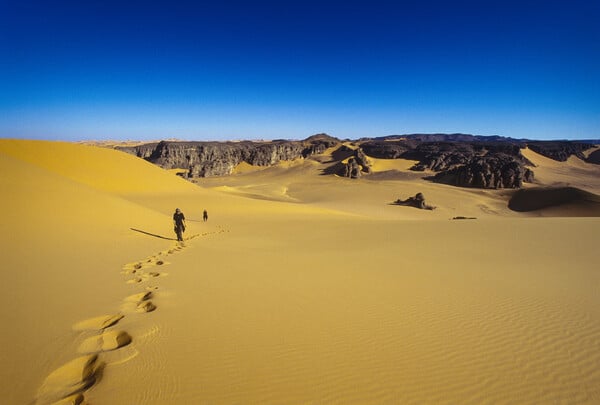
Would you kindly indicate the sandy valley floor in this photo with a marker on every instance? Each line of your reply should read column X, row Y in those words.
column 301, row 288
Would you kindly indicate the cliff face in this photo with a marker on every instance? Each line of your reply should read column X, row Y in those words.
column 204, row 159
column 479, row 162
column 462, row 160
column 465, row 164
column 499, row 171
column 559, row 150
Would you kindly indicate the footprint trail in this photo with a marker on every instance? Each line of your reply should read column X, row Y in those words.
column 68, row 383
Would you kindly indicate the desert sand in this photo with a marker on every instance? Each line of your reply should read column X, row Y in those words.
column 300, row 288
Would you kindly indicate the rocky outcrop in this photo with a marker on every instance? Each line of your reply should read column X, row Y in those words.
column 559, row 150
column 438, row 151
column 387, row 149
column 357, row 163
column 362, row 160
column 204, row 159
column 418, row 201
column 458, row 137
column 442, row 156
column 321, row 142
column 464, row 164
column 439, row 156
column 352, row 169
column 458, row 159
column 496, row 171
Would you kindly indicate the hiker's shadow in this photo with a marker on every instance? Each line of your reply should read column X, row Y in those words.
column 152, row 234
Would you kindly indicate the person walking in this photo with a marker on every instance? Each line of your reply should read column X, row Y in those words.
column 205, row 216
column 179, row 224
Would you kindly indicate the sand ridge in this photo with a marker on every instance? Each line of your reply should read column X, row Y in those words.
column 572, row 173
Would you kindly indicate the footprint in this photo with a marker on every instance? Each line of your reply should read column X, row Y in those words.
column 69, row 380
column 135, row 280
column 146, row 306
column 159, row 262
column 107, row 341
column 137, row 298
column 132, row 267
column 139, row 303
column 145, row 277
column 97, row 323
column 76, row 399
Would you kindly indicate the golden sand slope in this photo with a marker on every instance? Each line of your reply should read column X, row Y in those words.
column 99, row 168
column 574, row 172
column 300, row 288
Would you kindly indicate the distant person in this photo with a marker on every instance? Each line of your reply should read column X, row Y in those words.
column 179, row 224
column 205, row 216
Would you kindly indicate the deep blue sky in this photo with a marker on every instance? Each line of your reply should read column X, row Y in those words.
column 258, row 69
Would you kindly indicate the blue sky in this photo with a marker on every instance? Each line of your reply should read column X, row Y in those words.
column 289, row 69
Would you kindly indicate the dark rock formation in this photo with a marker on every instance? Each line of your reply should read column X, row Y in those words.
column 418, row 201
column 559, row 150
column 358, row 163
column 438, row 156
column 496, row 171
column 352, row 169
column 203, row 159
column 449, row 138
column 362, row 160
column 387, row 149
column 458, row 159
column 342, row 153
column 323, row 141
column 441, row 156
column 464, row 164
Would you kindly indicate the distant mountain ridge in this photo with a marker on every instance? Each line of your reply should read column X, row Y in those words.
column 461, row 137
column 458, row 159
column 442, row 137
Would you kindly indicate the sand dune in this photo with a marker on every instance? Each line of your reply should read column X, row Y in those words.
column 570, row 200
column 572, row 173
column 301, row 288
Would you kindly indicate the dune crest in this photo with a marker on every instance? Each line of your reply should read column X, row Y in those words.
column 575, row 202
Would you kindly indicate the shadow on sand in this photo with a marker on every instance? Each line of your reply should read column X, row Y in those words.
column 152, row 234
